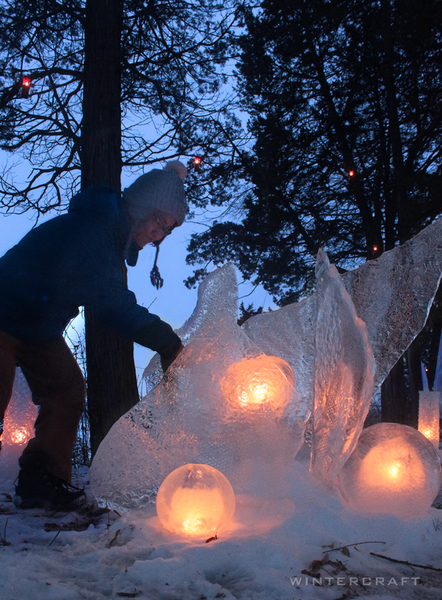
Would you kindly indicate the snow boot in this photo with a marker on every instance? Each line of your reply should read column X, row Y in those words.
column 37, row 488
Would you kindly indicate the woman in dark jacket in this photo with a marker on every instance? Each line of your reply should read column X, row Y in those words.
column 78, row 259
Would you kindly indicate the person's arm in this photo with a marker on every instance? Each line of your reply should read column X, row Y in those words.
column 136, row 323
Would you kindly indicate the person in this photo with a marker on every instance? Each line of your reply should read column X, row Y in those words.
column 78, row 259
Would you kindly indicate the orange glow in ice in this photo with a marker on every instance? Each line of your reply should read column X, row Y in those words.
column 195, row 500
column 20, row 435
column 392, row 465
column 197, row 511
column 16, row 435
column 429, row 415
column 256, row 382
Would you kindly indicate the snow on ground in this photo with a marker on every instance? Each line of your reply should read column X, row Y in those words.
column 278, row 548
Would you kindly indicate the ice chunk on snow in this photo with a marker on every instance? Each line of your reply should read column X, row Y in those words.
column 393, row 469
column 186, row 418
column 343, row 374
column 18, row 426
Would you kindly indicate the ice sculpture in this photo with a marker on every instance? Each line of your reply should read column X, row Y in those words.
column 429, row 416
column 18, row 426
column 185, row 418
column 195, row 500
column 393, row 469
column 343, row 374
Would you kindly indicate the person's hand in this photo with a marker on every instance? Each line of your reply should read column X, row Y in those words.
column 166, row 362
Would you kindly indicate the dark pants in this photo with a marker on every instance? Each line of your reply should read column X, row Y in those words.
column 58, row 388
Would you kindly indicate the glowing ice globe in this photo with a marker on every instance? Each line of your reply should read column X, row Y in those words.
column 195, row 500
column 252, row 383
column 393, row 469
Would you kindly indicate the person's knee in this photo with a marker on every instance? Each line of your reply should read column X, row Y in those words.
column 68, row 389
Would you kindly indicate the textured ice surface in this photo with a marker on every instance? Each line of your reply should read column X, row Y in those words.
column 343, row 374
column 18, row 426
column 394, row 293
column 185, row 418
column 391, row 294
column 393, row 469
column 217, row 294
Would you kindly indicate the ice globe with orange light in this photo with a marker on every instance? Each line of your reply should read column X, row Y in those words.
column 261, row 382
column 195, row 500
column 393, row 469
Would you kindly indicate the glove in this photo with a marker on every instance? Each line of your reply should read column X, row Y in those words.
column 166, row 361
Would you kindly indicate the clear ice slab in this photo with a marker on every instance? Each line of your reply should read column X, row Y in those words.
column 342, row 374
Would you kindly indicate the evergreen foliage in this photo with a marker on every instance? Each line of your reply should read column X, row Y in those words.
column 345, row 105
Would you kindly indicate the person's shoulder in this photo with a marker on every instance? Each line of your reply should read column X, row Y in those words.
column 101, row 201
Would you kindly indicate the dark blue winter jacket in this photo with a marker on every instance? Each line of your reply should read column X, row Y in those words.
column 78, row 259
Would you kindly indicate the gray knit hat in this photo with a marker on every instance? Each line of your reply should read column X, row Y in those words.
column 158, row 190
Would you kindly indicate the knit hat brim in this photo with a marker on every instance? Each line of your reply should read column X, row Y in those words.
column 158, row 190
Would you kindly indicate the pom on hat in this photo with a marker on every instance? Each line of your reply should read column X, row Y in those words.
column 176, row 165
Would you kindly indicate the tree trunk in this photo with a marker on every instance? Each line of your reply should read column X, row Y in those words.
column 111, row 379
column 394, row 395
column 400, row 390
column 405, row 218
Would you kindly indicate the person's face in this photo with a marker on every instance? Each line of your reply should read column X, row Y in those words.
column 154, row 228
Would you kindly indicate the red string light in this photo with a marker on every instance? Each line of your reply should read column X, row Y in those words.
column 25, row 87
